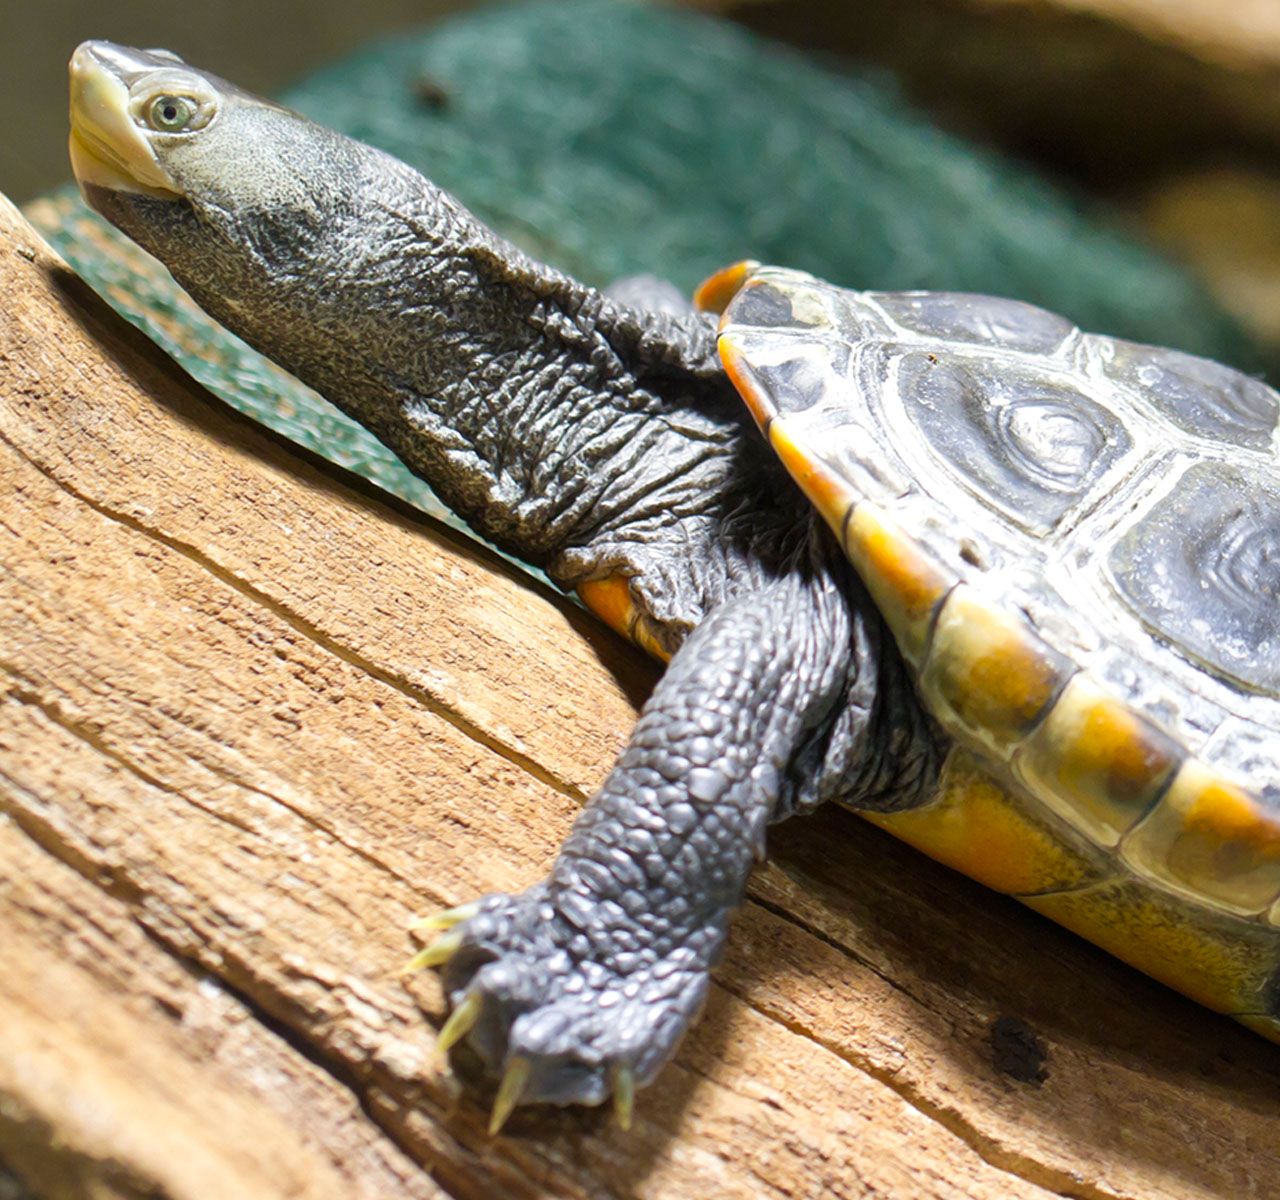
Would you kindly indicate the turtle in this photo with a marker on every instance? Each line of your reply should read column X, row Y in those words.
column 1006, row 589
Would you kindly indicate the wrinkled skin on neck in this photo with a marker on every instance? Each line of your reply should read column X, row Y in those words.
column 578, row 434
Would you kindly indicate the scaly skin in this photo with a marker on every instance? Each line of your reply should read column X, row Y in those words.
column 587, row 436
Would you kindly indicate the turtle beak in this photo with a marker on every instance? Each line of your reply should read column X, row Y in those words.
column 108, row 149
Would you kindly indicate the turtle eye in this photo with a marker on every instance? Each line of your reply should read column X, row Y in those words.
column 171, row 104
column 173, row 114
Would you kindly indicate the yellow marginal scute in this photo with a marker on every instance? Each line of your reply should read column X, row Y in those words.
column 741, row 376
column 826, row 490
column 987, row 829
column 1269, row 1027
column 714, row 293
column 1212, row 838
column 610, row 599
column 1222, row 962
column 1097, row 762
column 989, row 677
column 904, row 581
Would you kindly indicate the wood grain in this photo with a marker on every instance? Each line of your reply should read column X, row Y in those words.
column 253, row 717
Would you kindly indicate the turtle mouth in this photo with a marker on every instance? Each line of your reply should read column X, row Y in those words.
column 107, row 148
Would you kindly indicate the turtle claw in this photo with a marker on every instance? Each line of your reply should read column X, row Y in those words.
column 435, row 955
column 460, row 1023
column 624, row 1094
column 510, row 1090
column 548, row 1014
column 446, row 918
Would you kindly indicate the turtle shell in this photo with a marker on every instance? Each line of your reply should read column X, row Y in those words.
column 1076, row 543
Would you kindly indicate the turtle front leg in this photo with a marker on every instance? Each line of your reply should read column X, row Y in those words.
column 583, row 985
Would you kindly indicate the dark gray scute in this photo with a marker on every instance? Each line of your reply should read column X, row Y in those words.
column 1032, row 447
column 1201, row 397
column 804, row 381
column 762, row 304
column 981, row 320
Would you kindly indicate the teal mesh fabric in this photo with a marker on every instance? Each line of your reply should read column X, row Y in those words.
column 613, row 138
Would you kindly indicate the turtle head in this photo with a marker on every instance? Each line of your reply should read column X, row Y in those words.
column 135, row 117
column 237, row 196
column 147, row 131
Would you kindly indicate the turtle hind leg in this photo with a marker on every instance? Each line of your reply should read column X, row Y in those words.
column 581, row 987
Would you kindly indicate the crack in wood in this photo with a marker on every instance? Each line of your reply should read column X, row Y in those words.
column 307, row 629
column 1019, row 1166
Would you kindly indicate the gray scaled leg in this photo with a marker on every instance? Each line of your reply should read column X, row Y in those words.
column 583, row 985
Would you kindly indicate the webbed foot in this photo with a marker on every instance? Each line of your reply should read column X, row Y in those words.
column 560, row 1014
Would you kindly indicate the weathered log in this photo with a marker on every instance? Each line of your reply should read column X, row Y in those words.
column 254, row 716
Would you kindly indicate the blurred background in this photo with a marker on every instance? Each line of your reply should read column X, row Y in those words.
column 1168, row 110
